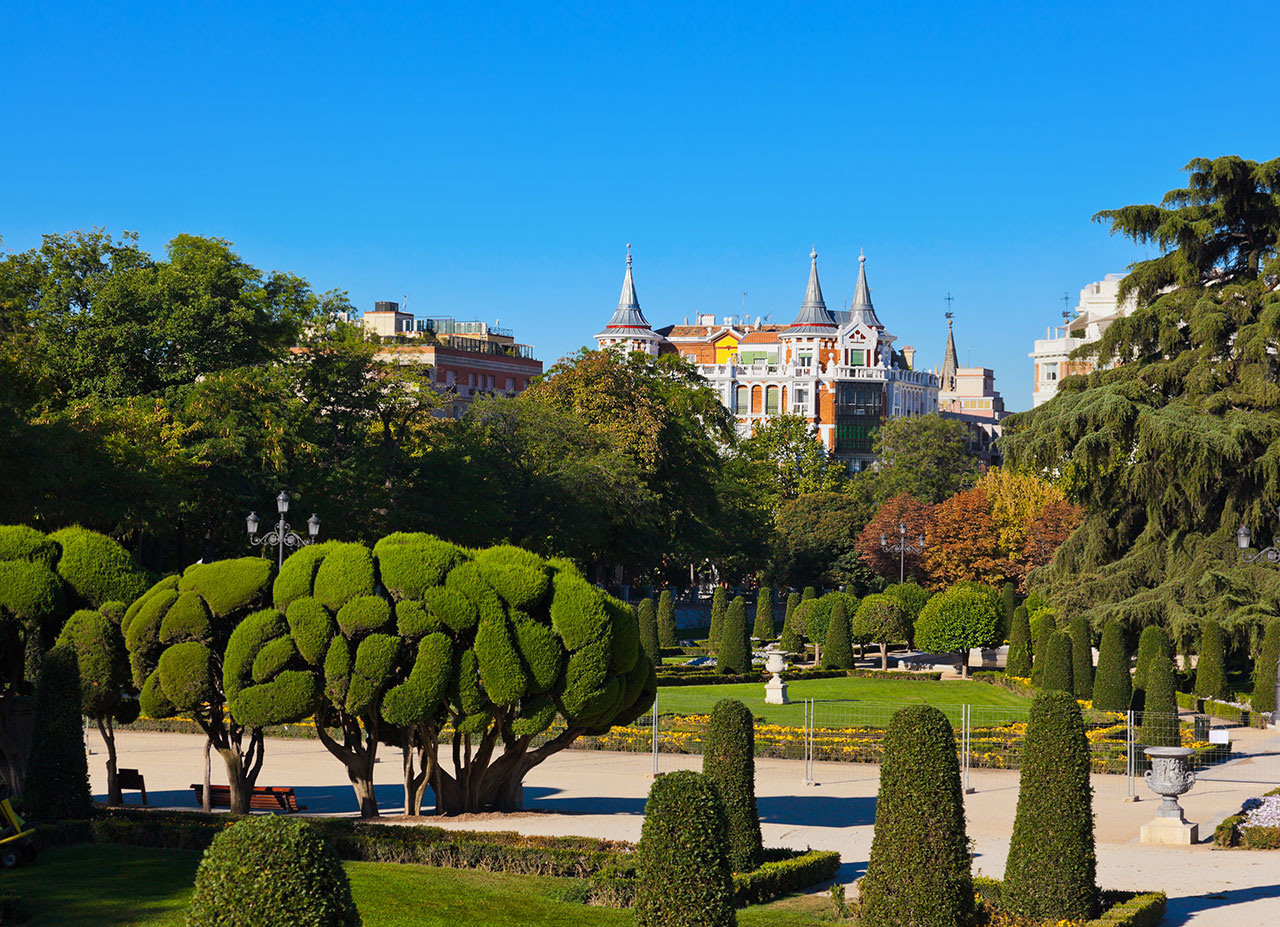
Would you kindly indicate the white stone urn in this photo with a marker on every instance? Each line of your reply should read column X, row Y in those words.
column 775, row 690
column 1169, row 777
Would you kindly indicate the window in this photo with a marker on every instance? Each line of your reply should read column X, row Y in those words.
column 1051, row 371
column 511, row 384
column 450, row 378
column 805, row 359
column 771, row 401
column 471, row 380
column 856, row 358
column 800, row 402
column 741, row 402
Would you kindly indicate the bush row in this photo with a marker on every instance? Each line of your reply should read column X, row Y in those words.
column 711, row 678
column 1223, row 710
column 1119, row 909
column 1018, row 686
column 781, row 873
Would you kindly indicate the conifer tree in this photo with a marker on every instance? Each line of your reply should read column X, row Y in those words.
column 837, row 649
column 647, row 616
column 728, row 759
column 1160, row 705
column 1082, row 657
column 734, row 652
column 1211, row 666
column 1112, row 689
column 57, row 780
column 1059, row 669
column 1265, row 669
column 763, row 630
column 791, row 641
column 719, row 602
column 1042, row 626
column 1018, row 663
column 1153, row 640
column 668, row 636
column 1009, row 601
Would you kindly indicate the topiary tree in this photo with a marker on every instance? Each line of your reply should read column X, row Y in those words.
column 1211, row 665
column 1160, row 704
column 1051, row 873
column 837, row 648
column 719, row 602
column 1018, row 663
column 813, row 617
column 912, row 597
column 57, row 773
column 265, row 871
column 763, row 630
column 882, row 618
column 667, row 632
column 810, row 592
column 734, row 652
column 957, row 620
column 96, row 568
column 1154, row 639
column 1112, row 689
column 179, row 636
column 728, row 760
column 918, row 872
column 683, row 877
column 1008, row 603
column 1266, row 669
column 647, row 618
column 107, row 694
column 791, row 640
column 1081, row 657
column 1042, row 628
column 1059, row 665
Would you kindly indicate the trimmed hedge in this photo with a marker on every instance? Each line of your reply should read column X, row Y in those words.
column 783, row 876
column 1059, row 665
column 20, row 542
column 1211, row 666
column 1112, row 689
column 918, row 872
column 728, row 759
column 667, row 632
column 1008, row 603
column 719, row 604
column 647, row 618
column 1119, row 909
column 1051, row 873
column 1018, row 663
column 790, row 641
column 31, row 592
column 1153, row 639
column 957, row 620
column 1160, row 706
column 265, row 871
column 1081, row 657
column 705, row 677
column 57, row 776
column 733, row 651
column 1264, row 669
column 911, row 596
column 837, row 651
column 1042, row 628
column 763, row 628
column 228, row 585
column 682, row 865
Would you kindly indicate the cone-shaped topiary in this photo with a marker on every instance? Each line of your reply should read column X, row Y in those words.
column 1051, row 873
column 734, row 653
column 647, row 616
column 1265, row 669
column 810, row 592
column 683, row 877
column 1082, row 657
column 1211, row 666
column 1152, row 640
column 1042, row 626
column 1008, row 602
column 1019, row 661
column 763, row 630
column 57, row 778
column 719, row 602
column 1059, row 673
column 1112, row 689
column 919, row 868
column 728, row 759
column 837, row 649
column 791, row 640
column 667, row 634
column 265, row 871
column 1160, row 705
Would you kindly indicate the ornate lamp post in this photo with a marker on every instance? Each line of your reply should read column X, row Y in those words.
column 901, row 547
column 282, row 535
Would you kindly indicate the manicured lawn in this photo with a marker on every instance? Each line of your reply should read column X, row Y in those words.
column 112, row 886
column 874, row 700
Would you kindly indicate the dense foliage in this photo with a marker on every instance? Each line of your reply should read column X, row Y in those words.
column 960, row 618
column 837, row 647
column 57, row 783
column 1153, row 640
column 1112, row 688
column 882, row 618
column 763, row 628
column 734, row 646
column 1160, row 705
column 1211, row 662
column 1081, row 656
column 647, row 617
column 728, row 760
column 1265, row 669
column 1059, row 666
column 1018, row 662
column 668, row 635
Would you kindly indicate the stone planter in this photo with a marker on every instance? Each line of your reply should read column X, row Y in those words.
column 775, row 690
column 1169, row 777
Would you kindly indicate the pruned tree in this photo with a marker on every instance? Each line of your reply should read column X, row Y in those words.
column 668, row 635
column 959, row 619
column 881, row 618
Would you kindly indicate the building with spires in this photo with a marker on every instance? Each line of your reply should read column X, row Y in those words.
column 837, row 370
column 969, row 395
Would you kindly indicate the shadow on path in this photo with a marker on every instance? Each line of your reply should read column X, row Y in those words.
column 318, row 799
column 1182, row 910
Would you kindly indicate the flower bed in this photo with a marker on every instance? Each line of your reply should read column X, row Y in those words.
column 1255, row 827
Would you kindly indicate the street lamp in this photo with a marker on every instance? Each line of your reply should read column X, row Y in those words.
column 282, row 535
column 902, row 548
column 1244, row 537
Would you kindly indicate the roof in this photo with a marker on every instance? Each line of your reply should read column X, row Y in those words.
column 813, row 319
column 628, row 314
column 862, row 312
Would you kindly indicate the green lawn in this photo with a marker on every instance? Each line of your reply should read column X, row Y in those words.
column 874, row 700
column 101, row 885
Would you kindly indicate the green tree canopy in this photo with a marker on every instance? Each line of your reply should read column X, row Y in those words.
column 923, row 456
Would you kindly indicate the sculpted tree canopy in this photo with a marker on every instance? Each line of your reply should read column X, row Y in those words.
column 1171, row 450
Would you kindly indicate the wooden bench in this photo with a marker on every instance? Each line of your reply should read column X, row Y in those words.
column 132, row 780
column 264, row 798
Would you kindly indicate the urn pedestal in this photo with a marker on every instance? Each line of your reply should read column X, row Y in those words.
column 775, row 690
column 1169, row 777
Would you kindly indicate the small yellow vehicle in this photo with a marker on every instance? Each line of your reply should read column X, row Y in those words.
column 16, row 845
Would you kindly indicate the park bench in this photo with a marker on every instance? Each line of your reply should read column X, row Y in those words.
column 131, row 780
column 264, row 798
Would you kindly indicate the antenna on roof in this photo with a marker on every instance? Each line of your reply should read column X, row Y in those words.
column 404, row 302
column 744, row 302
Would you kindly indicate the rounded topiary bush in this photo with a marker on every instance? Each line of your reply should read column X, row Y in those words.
column 733, row 653
column 683, row 878
column 266, row 871
column 1264, row 670
column 728, row 759
column 1211, row 664
column 1112, row 689
column 1160, row 705
column 763, row 630
column 1081, row 657
column 1051, row 873
column 1059, row 672
column 837, row 649
column 1018, row 662
column 1154, row 639
column 97, row 568
column 667, row 633
column 647, row 618
column 958, row 619
column 918, row 873
column 911, row 596
column 57, row 777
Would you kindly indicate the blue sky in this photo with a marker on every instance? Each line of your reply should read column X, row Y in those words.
column 493, row 161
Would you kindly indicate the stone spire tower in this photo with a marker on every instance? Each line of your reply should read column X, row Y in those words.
column 949, row 361
column 813, row 319
column 862, row 312
column 628, row 330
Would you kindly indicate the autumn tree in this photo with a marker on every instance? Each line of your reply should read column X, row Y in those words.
column 963, row 543
column 904, row 510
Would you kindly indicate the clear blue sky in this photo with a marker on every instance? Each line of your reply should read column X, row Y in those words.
column 492, row 160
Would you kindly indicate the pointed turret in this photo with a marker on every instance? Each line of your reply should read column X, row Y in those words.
column 862, row 312
column 949, row 361
column 628, row 314
column 814, row 319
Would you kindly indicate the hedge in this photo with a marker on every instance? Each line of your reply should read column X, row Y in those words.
column 1059, row 666
column 346, row 572
column 1042, row 628
column 1018, row 663
column 957, row 620
column 1008, row 603
column 733, row 646
column 728, row 759
column 228, row 585
column 409, row 564
column 763, row 628
column 30, row 591
column 96, row 568
column 667, row 632
column 1160, row 707
column 711, row 678
column 790, row 639
column 1211, row 665
column 1112, row 688
column 20, row 542
column 647, row 618
column 1081, row 657
column 719, row 604
column 1119, row 908
column 1153, row 639
column 782, row 876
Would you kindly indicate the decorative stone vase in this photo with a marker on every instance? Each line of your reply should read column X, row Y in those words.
column 1169, row 777
column 775, row 690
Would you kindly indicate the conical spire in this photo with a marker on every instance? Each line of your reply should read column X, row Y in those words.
column 949, row 360
column 862, row 312
column 628, row 314
column 814, row 317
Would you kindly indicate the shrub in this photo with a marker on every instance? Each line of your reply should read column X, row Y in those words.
column 1008, row 603
column 648, row 621
column 958, row 619
column 763, row 630
column 346, row 572
column 30, row 591
column 918, row 872
column 1211, row 666
column 1160, row 706
column 1042, row 628
column 266, row 871
column 682, row 862
column 1019, row 661
column 18, row 542
column 364, row 614
column 228, row 585
column 1265, row 669
column 1081, row 657
column 719, row 602
column 57, row 777
column 1153, row 639
column 733, row 653
column 1059, row 666
column 668, row 635
column 96, row 568
column 298, row 575
column 1112, row 689
column 728, row 760
column 577, row 611
column 837, row 651
column 810, row 593
column 1051, row 872
column 882, row 618
column 911, row 596
column 409, row 564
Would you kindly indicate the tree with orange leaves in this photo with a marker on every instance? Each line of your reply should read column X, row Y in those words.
column 902, row 509
column 963, row 542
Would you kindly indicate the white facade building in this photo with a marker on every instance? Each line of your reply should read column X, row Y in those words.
column 1099, row 306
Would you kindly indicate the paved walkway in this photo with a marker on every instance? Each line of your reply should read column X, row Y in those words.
column 602, row 794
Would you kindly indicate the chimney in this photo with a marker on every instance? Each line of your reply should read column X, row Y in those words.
column 909, row 355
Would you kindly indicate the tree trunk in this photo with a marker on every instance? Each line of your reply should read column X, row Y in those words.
column 108, row 732
column 358, row 752
column 884, row 655
column 205, row 804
